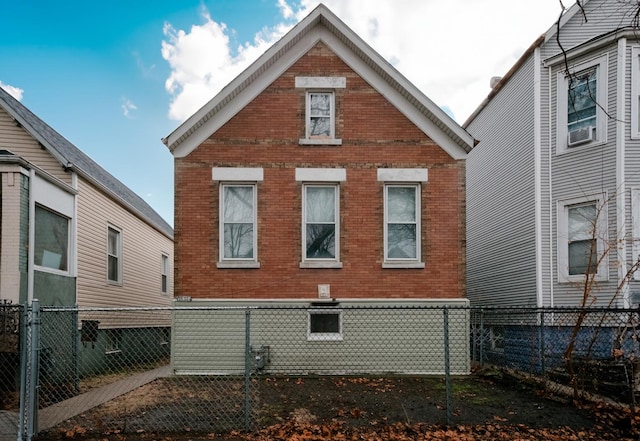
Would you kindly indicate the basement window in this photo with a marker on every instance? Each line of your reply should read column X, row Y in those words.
column 325, row 325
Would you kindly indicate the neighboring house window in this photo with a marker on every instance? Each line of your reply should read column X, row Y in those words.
column 320, row 108
column 51, row 240
column 238, row 216
column 635, row 92
column 402, row 215
column 113, row 342
column 165, row 273
column 320, row 216
column 582, row 100
column 114, row 255
column 581, row 239
column 325, row 324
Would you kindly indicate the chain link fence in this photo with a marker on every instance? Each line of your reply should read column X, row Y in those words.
column 218, row 369
column 581, row 353
column 10, row 331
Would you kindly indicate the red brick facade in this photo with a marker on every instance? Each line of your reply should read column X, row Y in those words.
column 266, row 134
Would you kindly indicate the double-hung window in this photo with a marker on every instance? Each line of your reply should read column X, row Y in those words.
column 320, row 216
column 238, row 216
column 164, row 277
column 402, row 216
column 581, row 238
column 320, row 109
column 582, row 100
column 114, row 255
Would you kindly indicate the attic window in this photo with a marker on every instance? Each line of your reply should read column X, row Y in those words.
column 320, row 109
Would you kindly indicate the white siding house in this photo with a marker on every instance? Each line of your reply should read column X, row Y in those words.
column 552, row 183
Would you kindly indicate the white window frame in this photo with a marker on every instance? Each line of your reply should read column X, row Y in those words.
column 164, row 277
column 635, row 92
column 237, row 176
column 331, row 262
column 118, row 255
column 562, row 84
column 320, row 177
column 324, row 336
column 413, row 178
column 320, row 85
column 562, row 244
column 239, row 261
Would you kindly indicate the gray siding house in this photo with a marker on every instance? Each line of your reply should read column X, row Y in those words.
column 553, row 185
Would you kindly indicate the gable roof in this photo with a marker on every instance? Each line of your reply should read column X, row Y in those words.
column 321, row 25
column 72, row 158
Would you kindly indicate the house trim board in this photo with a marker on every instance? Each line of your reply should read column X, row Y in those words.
column 537, row 161
column 621, row 221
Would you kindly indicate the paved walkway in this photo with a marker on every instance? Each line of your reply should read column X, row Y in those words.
column 59, row 412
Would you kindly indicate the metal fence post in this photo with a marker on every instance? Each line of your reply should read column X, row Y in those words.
column 542, row 331
column 447, row 366
column 30, row 372
column 247, row 370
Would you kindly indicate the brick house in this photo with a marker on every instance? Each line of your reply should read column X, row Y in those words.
column 320, row 173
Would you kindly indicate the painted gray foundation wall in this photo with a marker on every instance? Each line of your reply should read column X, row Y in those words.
column 397, row 336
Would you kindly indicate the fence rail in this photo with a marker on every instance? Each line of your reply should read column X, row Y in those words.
column 213, row 369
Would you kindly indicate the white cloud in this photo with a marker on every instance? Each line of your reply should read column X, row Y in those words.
column 13, row 91
column 127, row 106
column 448, row 49
column 202, row 62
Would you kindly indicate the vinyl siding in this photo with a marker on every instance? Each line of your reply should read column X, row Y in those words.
column 17, row 140
column 586, row 171
column 501, row 264
column 142, row 248
column 376, row 338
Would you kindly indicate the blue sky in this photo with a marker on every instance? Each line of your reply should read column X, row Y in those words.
column 115, row 77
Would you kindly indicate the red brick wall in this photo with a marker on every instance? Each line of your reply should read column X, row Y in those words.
column 374, row 135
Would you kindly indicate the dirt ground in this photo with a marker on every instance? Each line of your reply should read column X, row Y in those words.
column 488, row 405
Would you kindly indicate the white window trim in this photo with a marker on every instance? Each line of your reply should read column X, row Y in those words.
column 320, row 85
column 319, row 177
column 319, row 262
column 562, row 246
column 119, row 255
column 237, row 176
column 164, row 272
column 404, row 177
column 238, row 262
column 635, row 92
column 327, row 336
column 562, row 84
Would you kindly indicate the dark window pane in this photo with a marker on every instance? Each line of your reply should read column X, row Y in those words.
column 51, row 240
column 325, row 323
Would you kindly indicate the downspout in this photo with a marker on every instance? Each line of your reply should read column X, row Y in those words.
column 621, row 192
column 537, row 164
column 32, row 235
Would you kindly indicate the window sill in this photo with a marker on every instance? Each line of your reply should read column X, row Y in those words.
column 320, row 264
column 113, row 351
column 568, row 150
column 414, row 265
column 320, row 141
column 324, row 337
column 240, row 265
